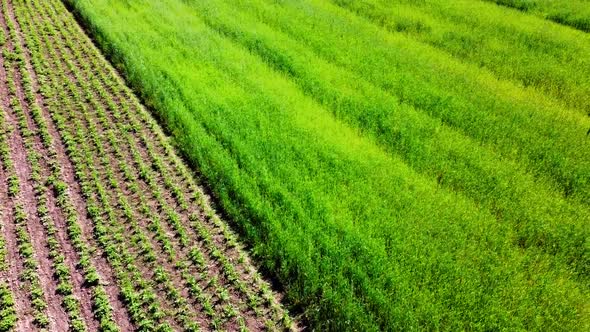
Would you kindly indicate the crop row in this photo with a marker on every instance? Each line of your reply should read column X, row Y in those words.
column 8, row 316
column 172, row 182
column 574, row 13
column 57, row 184
column 123, row 183
column 29, row 277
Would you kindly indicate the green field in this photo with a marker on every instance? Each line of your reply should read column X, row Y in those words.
column 394, row 165
column 575, row 13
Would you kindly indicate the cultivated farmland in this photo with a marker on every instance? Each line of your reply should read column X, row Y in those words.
column 396, row 165
column 390, row 165
column 103, row 227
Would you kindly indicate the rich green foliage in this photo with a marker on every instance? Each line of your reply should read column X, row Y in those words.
column 549, row 60
column 394, row 165
column 575, row 13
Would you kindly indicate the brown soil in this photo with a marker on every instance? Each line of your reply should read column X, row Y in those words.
column 34, row 227
column 99, row 262
column 13, row 259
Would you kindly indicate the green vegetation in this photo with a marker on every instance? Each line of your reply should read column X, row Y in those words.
column 86, row 138
column 575, row 13
column 29, row 276
column 8, row 316
column 394, row 165
column 546, row 59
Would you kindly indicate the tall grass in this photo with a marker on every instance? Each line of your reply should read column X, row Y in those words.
column 427, row 144
column 574, row 13
column 387, row 184
column 542, row 56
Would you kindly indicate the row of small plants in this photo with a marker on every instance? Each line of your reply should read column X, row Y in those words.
column 8, row 316
column 171, row 217
column 29, row 277
column 53, row 183
column 132, row 169
column 170, row 179
column 136, row 292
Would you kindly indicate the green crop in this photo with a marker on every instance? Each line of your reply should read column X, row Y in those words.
column 395, row 165
column 574, row 13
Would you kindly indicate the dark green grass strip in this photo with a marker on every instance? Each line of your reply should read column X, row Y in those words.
column 573, row 13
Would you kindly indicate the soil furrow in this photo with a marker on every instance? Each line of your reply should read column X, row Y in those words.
column 148, row 273
column 174, row 203
column 75, row 195
column 56, row 215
